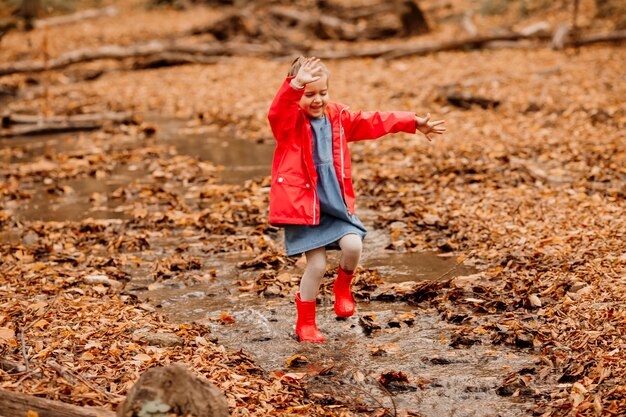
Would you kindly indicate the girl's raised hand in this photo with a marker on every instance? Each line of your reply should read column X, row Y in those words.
column 310, row 71
column 427, row 127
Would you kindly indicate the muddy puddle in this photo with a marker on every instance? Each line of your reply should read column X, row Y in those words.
column 240, row 160
column 381, row 338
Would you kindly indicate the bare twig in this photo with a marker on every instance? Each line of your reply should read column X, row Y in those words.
column 26, row 375
column 69, row 375
column 370, row 395
column 393, row 402
column 449, row 271
column 24, row 353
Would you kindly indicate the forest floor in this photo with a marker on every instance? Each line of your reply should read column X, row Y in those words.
column 530, row 192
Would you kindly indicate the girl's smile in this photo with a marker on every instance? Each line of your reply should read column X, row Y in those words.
column 315, row 97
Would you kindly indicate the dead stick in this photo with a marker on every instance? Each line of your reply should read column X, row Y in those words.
column 26, row 375
column 65, row 373
column 393, row 402
column 369, row 394
column 458, row 264
column 24, row 353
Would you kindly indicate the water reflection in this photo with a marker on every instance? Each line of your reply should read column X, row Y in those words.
column 241, row 159
column 399, row 267
column 76, row 201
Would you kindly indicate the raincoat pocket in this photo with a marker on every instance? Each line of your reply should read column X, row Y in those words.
column 292, row 200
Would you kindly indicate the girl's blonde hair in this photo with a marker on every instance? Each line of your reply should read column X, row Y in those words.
column 297, row 63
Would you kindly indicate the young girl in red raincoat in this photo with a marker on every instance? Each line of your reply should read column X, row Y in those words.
column 311, row 193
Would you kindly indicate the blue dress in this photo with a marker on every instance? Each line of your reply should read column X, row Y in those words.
column 335, row 221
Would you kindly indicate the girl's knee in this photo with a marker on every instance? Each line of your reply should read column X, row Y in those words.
column 316, row 263
column 316, row 269
column 351, row 245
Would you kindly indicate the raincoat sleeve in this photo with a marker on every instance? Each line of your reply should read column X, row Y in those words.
column 284, row 111
column 373, row 125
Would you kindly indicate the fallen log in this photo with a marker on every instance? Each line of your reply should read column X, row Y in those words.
column 110, row 11
column 18, row 404
column 169, row 59
column 32, row 130
column 617, row 36
column 29, row 125
column 386, row 51
column 411, row 49
column 134, row 51
column 15, row 119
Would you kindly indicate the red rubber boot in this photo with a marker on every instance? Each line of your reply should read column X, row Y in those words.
column 306, row 329
column 344, row 303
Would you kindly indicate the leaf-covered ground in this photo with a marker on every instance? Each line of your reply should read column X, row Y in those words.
column 531, row 193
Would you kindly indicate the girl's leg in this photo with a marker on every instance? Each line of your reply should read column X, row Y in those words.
column 306, row 327
column 351, row 247
column 313, row 273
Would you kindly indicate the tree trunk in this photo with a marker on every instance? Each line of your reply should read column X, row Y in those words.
column 13, row 404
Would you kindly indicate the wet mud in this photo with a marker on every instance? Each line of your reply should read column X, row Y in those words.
column 409, row 342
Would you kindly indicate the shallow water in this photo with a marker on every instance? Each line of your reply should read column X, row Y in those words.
column 443, row 380
column 241, row 160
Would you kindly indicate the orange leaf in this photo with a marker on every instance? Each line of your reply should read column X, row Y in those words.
column 6, row 333
column 41, row 323
column 225, row 318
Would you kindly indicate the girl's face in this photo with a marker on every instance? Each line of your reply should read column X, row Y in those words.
column 315, row 97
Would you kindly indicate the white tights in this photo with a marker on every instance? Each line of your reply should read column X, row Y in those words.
column 351, row 247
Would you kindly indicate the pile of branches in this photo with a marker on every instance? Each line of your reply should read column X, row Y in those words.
column 319, row 19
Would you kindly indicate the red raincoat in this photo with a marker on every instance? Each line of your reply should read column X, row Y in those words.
column 293, row 196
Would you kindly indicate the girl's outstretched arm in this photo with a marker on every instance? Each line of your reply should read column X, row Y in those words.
column 428, row 127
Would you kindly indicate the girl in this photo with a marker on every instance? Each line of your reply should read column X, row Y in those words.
column 311, row 192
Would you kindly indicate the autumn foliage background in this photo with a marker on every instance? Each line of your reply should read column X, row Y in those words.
column 530, row 191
